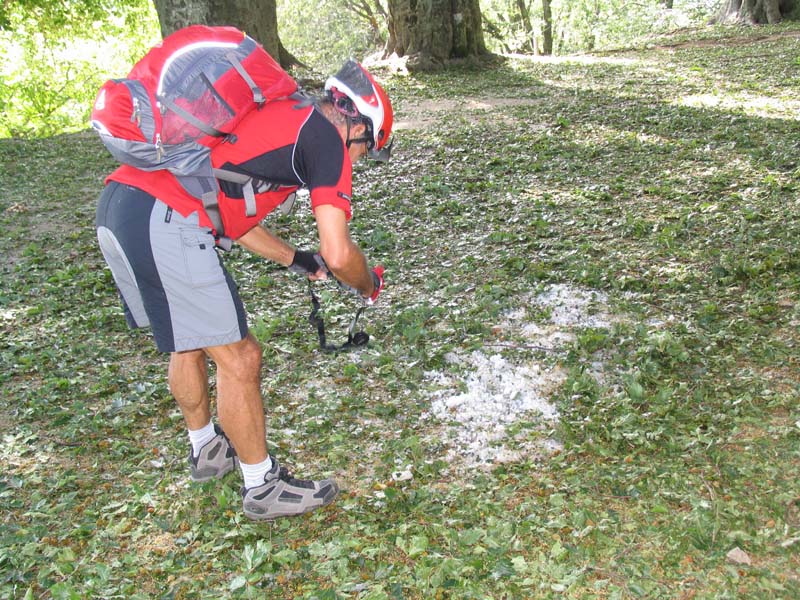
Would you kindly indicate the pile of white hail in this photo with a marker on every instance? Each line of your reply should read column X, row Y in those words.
column 495, row 392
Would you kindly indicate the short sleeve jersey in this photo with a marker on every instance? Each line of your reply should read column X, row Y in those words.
column 282, row 148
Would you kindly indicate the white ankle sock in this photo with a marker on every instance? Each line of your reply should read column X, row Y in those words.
column 200, row 437
column 253, row 475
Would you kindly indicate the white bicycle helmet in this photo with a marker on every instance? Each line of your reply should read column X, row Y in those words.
column 355, row 94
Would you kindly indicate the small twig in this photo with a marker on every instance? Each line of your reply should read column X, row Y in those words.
column 716, row 509
column 525, row 347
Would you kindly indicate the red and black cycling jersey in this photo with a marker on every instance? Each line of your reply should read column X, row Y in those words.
column 279, row 146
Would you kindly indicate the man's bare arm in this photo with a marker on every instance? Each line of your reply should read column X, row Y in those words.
column 263, row 242
column 343, row 257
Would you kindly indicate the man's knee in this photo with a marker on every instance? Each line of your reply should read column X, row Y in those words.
column 241, row 359
column 251, row 355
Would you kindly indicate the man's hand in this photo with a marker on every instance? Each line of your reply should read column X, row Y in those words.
column 308, row 263
column 377, row 281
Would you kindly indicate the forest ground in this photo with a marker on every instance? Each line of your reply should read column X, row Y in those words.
column 582, row 379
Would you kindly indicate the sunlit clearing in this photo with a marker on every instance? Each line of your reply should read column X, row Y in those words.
column 577, row 59
column 762, row 106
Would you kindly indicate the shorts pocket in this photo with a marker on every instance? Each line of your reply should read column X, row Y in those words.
column 203, row 264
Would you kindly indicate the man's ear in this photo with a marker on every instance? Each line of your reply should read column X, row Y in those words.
column 358, row 130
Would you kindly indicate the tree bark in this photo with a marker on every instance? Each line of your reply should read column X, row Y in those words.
column 547, row 30
column 756, row 12
column 434, row 32
column 258, row 18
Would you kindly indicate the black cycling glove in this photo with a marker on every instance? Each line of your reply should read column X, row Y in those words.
column 306, row 263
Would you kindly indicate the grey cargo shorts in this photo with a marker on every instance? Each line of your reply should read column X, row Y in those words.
column 168, row 272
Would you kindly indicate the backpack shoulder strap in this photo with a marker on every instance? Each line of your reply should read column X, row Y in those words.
column 247, row 188
column 304, row 99
column 205, row 188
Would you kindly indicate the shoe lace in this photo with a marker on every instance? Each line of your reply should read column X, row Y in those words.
column 285, row 475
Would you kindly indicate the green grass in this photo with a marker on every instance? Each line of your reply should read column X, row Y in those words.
column 666, row 177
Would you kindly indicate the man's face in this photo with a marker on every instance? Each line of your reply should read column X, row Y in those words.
column 357, row 150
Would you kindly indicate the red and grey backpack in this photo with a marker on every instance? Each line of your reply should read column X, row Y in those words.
column 185, row 96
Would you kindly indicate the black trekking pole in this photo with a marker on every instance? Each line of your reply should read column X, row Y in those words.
column 355, row 338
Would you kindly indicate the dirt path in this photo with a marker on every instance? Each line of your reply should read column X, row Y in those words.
column 430, row 113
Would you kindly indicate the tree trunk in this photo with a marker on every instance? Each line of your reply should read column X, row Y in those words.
column 755, row 12
column 432, row 32
column 258, row 18
column 547, row 30
column 525, row 17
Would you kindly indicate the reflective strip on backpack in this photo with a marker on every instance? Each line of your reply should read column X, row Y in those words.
column 237, row 51
column 180, row 52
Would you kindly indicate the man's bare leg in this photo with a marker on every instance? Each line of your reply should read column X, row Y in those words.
column 241, row 413
column 188, row 382
column 239, row 404
column 212, row 456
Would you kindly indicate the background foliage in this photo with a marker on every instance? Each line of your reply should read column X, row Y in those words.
column 56, row 55
column 591, row 25
column 666, row 178
column 334, row 34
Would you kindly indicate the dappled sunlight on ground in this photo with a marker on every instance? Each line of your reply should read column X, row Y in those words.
column 761, row 106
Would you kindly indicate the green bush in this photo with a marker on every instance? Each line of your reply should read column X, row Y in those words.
column 55, row 58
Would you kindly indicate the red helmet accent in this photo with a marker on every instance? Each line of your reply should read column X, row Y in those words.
column 368, row 98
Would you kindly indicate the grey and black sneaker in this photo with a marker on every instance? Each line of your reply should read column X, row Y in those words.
column 216, row 458
column 282, row 495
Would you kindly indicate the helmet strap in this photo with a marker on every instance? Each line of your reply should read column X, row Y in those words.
column 365, row 139
column 381, row 155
